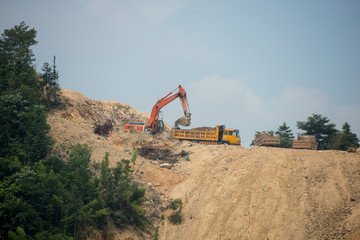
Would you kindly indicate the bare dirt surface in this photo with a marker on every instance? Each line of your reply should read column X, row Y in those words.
column 228, row 192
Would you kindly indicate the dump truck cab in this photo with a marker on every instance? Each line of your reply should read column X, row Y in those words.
column 231, row 136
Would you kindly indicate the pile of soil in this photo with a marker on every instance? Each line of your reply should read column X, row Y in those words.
column 228, row 192
column 204, row 128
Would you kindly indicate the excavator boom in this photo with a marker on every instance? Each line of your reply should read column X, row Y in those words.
column 154, row 121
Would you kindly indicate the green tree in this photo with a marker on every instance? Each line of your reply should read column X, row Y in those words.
column 286, row 136
column 56, row 199
column 320, row 127
column 344, row 139
column 121, row 195
column 49, row 83
column 15, row 210
column 49, row 198
column 24, row 132
column 18, row 235
column 17, row 73
column 82, row 192
column 33, row 200
column 16, row 44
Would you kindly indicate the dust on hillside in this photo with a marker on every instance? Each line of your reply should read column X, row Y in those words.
column 228, row 192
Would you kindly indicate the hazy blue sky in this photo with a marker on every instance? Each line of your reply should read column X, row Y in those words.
column 251, row 65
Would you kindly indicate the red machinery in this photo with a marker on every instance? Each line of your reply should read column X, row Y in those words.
column 155, row 124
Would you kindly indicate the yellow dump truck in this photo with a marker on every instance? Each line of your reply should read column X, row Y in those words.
column 206, row 135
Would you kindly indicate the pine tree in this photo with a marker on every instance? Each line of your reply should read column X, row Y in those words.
column 286, row 135
column 17, row 73
column 345, row 139
column 320, row 127
column 24, row 132
column 49, row 83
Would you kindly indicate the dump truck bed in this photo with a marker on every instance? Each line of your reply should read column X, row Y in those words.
column 196, row 135
column 267, row 140
column 305, row 142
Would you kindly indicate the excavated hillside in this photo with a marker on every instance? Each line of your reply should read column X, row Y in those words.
column 228, row 192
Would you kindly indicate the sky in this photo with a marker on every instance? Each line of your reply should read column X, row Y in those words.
column 250, row 65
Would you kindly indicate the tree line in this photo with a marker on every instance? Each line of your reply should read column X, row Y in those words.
column 327, row 136
column 43, row 196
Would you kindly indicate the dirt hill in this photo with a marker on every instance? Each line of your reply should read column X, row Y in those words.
column 228, row 192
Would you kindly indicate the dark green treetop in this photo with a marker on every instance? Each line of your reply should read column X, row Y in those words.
column 286, row 135
column 319, row 126
column 344, row 139
column 24, row 132
column 17, row 73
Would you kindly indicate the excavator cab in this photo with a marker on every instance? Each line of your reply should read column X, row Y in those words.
column 160, row 123
column 160, row 126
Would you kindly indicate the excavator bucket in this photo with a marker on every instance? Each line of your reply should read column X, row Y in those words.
column 183, row 121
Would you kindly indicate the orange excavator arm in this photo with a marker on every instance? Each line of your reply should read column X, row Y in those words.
column 154, row 117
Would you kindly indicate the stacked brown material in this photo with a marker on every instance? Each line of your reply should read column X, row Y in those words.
column 267, row 139
column 305, row 142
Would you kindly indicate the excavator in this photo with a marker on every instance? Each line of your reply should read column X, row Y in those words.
column 156, row 125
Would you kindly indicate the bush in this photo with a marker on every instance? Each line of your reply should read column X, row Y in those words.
column 176, row 205
column 176, row 217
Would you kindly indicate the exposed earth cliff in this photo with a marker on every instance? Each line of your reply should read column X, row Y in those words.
column 228, row 192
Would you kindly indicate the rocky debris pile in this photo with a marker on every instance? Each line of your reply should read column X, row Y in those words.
column 103, row 129
column 79, row 108
column 161, row 155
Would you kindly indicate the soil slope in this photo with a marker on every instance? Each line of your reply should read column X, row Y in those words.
column 228, row 192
